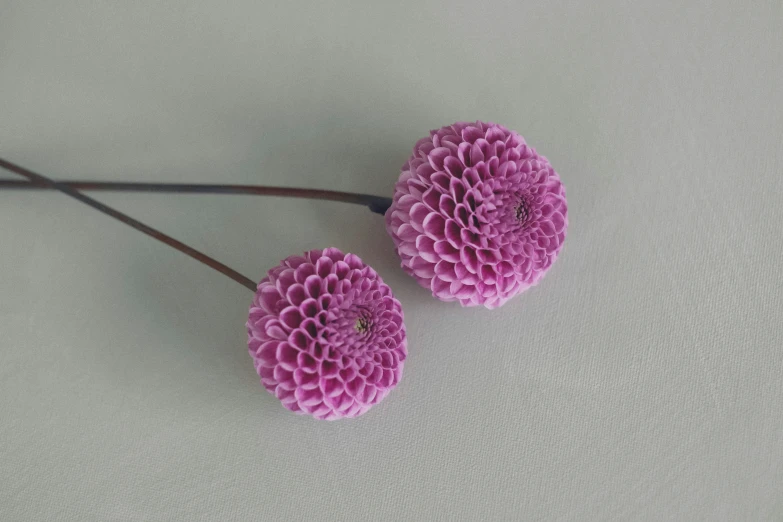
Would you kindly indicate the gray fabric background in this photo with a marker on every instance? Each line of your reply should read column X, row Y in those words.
column 640, row 381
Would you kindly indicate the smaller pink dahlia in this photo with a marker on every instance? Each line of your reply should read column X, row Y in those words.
column 478, row 216
column 326, row 335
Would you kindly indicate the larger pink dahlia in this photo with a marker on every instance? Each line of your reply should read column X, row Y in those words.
column 326, row 335
column 478, row 216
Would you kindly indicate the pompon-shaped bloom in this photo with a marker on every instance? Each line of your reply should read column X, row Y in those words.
column 326, row 335
column 478, row 216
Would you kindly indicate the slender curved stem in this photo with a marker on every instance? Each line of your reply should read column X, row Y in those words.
column 376, row 204
column 138, row 225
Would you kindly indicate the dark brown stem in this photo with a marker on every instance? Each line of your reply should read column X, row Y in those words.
column 376, row 204
column 138, row 225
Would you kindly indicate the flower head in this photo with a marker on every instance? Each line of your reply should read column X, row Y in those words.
column 326, row 335
column 478, row 216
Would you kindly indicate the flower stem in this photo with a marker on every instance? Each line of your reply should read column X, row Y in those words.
column 376, row 204
column 43, row 181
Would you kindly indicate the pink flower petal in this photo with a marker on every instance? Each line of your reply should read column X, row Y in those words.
column 437, row 156
column 471, row 134
column 558, row 221
column 452, row 166
column 434, row 225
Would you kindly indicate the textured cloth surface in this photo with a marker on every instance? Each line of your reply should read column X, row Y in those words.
column 640, row 380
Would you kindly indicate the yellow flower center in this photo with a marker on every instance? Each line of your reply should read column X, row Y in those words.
column 362, row 325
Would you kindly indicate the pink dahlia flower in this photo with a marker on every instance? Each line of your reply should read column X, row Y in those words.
column 478, row 216
column 326, row 335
